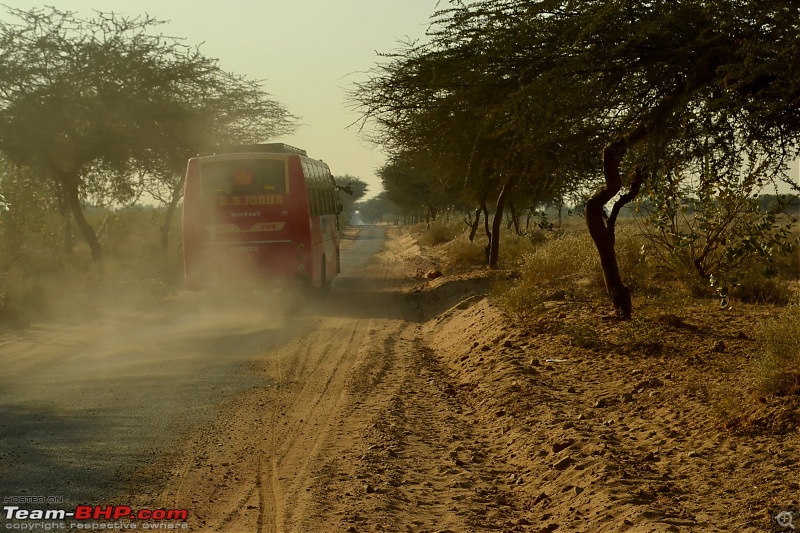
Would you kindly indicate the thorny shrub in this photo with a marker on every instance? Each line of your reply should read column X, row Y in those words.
column 712, row 235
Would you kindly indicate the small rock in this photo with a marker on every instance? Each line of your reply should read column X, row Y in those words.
column 742, row 336
column 485, row 348
column 508, row 344
column 599, row 404
column 692, row 454
column 571, row 390
column 562, row 445
column 369, row 489
column 433, row 274
column 578, row 490
column 535, row 362
column 718, row 347
column 648, row 384
column 564, row 463
column 501, row 412
column 668, row 375
column 627, row 397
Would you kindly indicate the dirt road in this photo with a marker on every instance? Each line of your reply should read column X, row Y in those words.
column 332, row 417
column 399, row 403
column 352, row 428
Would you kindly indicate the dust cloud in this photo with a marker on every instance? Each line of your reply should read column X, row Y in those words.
column 94, row 394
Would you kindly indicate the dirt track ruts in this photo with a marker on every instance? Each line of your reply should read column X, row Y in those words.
column 357, row 428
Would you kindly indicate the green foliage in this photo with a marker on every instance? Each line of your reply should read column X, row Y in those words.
column 710, row 232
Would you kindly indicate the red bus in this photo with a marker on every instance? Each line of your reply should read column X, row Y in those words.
column 265, row 212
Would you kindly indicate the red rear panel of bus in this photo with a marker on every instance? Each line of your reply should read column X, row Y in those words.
column 245, row 216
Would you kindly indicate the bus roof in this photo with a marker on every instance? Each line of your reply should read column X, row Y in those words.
column 267, row 148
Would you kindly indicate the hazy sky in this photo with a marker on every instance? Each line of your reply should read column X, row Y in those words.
column 309, row 51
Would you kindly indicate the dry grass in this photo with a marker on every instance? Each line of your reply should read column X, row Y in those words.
column 440, row 232
column 569, row 263
column 777, row 371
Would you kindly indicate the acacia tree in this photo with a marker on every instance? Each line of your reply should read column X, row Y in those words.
column 352, row 190
column 377, row 208
column 414, row 182
column 555, row 84
column 77, row 94
column 469, row 99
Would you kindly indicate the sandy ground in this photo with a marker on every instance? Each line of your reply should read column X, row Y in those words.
column 359, row 428
column 401, row 403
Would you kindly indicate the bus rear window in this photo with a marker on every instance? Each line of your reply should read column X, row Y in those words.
column 243, row 177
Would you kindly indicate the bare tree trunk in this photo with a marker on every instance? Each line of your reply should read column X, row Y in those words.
column 63, row 210
column 473, row 229
column 431, row 215
column 486, row 229
column 172, row 208
column 514, row 217
column 560, row 209
column 602, row 232
column 69, row 241
column 494, row 239
column 71, row 188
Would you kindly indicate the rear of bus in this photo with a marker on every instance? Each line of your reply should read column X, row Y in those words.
column 245, row 219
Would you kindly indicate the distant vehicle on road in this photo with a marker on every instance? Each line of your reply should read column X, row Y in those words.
column 260, row 212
